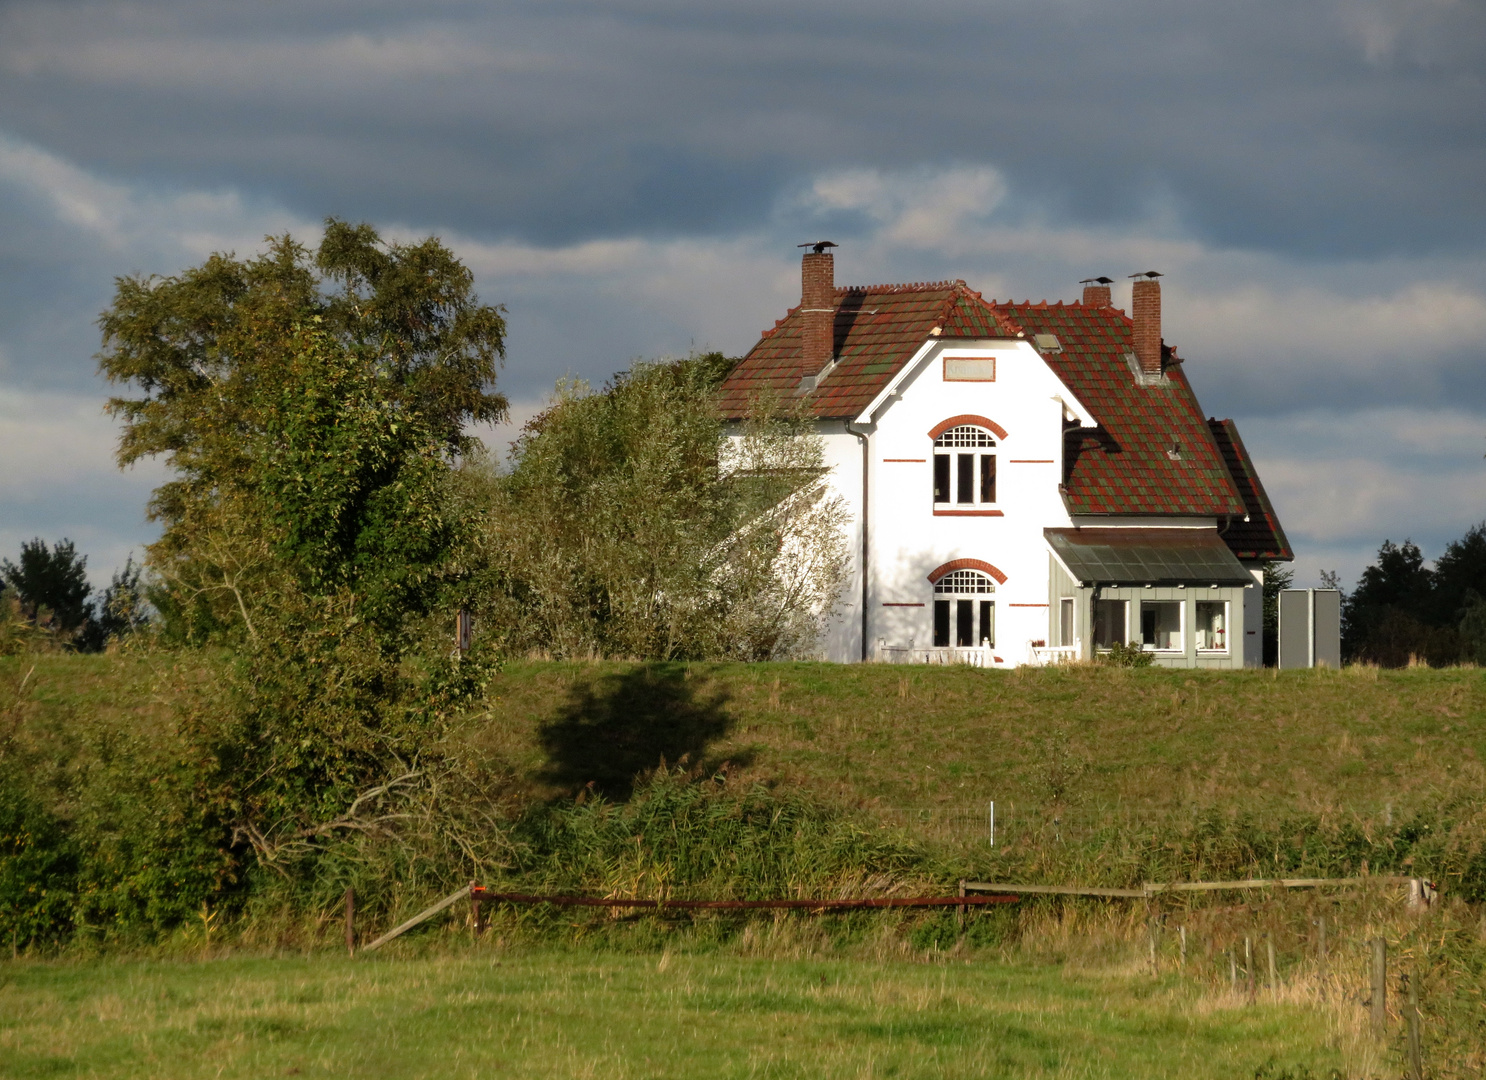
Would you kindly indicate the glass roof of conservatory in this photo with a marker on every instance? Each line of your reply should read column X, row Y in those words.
column 1147, row 557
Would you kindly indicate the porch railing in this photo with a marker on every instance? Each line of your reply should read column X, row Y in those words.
column 971, row 656
column 1043, row 655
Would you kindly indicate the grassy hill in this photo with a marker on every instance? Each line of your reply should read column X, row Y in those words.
column 1149, row 742
column 1081, row 742
column 1101, row 776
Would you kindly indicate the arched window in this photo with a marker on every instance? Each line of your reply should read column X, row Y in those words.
column 965, row 467
column 962, row 605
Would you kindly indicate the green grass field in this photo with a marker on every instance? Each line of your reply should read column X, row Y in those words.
column 1059, row 750
column 1151, row 741
column 491, row 1012
column 921, row 737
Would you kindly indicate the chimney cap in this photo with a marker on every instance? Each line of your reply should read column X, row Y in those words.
column 819, row 245
column 1097, row 281
column 1149, row 274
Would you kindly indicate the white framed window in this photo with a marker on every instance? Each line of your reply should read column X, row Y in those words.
column 1211, row 630
column 1161, row 625
column 964, row 613
column 1111, row 625
column 965, row 467
column 1065, row 620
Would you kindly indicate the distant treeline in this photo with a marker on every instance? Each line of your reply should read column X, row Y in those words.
column 1403, row 611
column 47, row 602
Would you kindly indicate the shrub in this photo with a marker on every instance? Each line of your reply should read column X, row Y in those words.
column 1129, row 656
column 38, row 871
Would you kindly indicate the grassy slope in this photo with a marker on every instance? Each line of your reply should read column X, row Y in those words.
column 553, row 1014
column 1149, row 741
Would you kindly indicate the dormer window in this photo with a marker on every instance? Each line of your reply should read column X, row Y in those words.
column 965, row 467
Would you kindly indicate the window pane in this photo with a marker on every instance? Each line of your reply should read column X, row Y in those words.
column 941, row 624
column 988, row 622
column 964, row 623
column 1109, row 623
column 1212, row 625
column 987, row 478
column 959, row 582
column 941, row 478
column 965, row 492
column 1161, row 624
column 1065, row 621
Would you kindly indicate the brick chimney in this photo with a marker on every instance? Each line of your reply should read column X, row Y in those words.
column 818, row 306
column 1096, row 292
column 1145, row 310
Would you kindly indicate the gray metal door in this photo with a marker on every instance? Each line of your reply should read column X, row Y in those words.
column 1328, row 628
column 1295, row 628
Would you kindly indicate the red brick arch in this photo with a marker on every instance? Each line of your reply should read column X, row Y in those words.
column 966, row 564
column 955, row 421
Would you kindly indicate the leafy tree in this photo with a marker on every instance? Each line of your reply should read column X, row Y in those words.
column 1459, row 573
column 120, row 611
column 1402, row 609
column 211, row 355
column 1473, row 630
column 51, row 584
column 333, row 541
column 310, row 410
column 1382, row 619
column 632, row 523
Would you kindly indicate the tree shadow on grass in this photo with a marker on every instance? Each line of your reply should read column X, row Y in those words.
column 617, row 725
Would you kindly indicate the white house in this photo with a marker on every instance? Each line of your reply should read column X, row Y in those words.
column 1026, row 482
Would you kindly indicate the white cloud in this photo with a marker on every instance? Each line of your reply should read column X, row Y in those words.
column 60, row 480
column 134, row 219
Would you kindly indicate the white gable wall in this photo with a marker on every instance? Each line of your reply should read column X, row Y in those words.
column 910, row 540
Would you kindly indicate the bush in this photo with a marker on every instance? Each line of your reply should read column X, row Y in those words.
column 38, row 871
column 1129, row 656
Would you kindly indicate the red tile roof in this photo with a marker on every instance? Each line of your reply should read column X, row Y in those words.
column 878, row 329
column 1151, row 453
column 1261, row 536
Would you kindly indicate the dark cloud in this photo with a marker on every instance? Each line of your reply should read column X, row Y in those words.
column 1320, row 129
column 630, row 176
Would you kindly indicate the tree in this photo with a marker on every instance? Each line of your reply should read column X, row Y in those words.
column 311, row 411
column 211, row 355
column 120, row 611
column 1459, row 573
column 632, row 524
column 51, row 584
column 335, row 541
column 1402, row 610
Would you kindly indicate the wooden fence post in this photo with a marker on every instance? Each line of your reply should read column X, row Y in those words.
column 960, row 911
column 1248, row 964
column 1379, row 986
column 1274, row 986
column 1182, row 935
column 1232, row 973
column 350, row 922
column 1416, row 1059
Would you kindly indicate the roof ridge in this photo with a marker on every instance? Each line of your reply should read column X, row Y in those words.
column 914, row 286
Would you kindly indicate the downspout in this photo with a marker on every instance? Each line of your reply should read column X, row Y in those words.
column 862, row 435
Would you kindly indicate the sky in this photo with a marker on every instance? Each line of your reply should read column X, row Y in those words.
column 630, row 179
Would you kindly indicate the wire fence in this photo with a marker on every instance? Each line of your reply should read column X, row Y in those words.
column 1012, row 821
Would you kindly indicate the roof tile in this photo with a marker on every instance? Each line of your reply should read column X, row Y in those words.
column 1122, row 466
